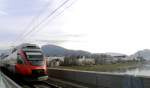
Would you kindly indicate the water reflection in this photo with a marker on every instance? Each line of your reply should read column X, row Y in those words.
column 142, row 70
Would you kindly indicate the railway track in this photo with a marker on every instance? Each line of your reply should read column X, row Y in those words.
column 43, row 84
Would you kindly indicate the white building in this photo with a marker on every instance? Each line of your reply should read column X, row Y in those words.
column 79, row 61
column 54, row 61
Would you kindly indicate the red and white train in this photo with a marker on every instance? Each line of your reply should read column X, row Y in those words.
column 28, row 61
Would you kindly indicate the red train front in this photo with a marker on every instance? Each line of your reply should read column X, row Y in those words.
column 28, row 61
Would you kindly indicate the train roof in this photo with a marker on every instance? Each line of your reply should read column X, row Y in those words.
column 26, row 45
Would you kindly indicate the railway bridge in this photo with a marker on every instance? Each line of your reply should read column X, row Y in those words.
column 64, row 78
column 100, row 79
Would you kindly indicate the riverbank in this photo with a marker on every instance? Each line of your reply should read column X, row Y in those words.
column 105, row 67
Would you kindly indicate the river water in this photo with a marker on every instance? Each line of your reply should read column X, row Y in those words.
column 142, row 70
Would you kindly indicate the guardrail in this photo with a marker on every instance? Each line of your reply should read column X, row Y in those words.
column 100, row 79
column 6, row 82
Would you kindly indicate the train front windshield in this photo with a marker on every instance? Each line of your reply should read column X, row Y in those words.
column 37, row 63
column 34, row 56
column 36, row 60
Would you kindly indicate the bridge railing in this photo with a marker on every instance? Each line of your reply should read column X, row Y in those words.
column 100, row 79
column 6, row 82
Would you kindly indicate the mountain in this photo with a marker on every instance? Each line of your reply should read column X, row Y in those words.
column 3, row 51
column 145, row 54
column 53, row 50
column 115, row 54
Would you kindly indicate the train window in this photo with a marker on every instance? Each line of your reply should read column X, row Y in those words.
column 37, row 63
column 31, row 50
column 35, row 57
column 20, row 60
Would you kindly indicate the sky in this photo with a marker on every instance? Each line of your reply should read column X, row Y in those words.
column 97, row 26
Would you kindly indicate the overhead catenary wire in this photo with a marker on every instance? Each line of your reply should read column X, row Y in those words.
column 56, row 16
column 31, row 23
column 45, row 19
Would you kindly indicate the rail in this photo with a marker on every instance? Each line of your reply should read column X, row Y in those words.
column 43, row 84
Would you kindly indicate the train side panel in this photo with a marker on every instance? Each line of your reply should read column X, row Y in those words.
column 10, row 62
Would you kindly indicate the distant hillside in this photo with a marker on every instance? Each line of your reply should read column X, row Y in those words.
column 115, row 54
column 3, row 51
column 145, row 54
column 53, row 50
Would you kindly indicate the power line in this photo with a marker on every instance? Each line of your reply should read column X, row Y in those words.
column 57, row 15
column 53, row 12
column 31, row 23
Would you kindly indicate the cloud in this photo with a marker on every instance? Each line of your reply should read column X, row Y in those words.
column 45, row 0
column 22, row 7
column 3, row 7
column 3, row 13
